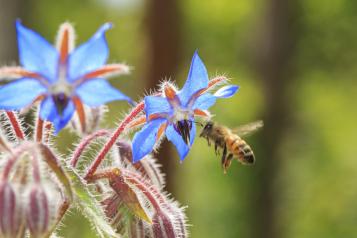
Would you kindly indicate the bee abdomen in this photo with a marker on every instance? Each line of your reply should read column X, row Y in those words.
column 243, row 151
column 247, row 155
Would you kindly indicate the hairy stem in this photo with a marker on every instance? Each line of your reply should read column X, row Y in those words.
column 85, row 142
column 39, row 129
column 136, row 110
column 16, row 126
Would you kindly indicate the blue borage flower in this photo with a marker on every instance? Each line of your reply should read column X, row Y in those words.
column 174, row 112
column 61, row 78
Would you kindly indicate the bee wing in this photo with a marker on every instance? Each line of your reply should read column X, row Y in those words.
column 248, row 129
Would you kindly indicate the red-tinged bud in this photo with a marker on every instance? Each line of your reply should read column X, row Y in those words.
column 111, row 205
column 148, row 167
column 163, row 226
column 11, row 224
column 125, row 151
column 169, row 219
column 137, row 229
column 37, row 213
column 128, row 197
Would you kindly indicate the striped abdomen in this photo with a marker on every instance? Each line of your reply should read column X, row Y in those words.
column 240, row 149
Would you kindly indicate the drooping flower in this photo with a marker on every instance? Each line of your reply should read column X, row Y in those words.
column 174, row 112
column 64, row 78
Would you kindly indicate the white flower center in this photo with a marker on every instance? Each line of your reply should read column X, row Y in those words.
column 180, row 114
column 62, row 85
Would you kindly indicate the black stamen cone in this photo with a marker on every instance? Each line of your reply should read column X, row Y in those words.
column 183, row 128
column 61, row 102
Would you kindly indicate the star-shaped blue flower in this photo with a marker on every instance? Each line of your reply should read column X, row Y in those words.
column 61, row 78
column 175, row 111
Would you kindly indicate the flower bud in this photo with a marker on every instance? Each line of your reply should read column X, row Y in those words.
column 137, row 229
column 148, row 167
column 10, row 212
column 128, row 197
column 125, row 151
column 111, row 205
column 163, row 225
column 37, row 213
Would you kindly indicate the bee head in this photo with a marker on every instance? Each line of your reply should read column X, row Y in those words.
column 207, row 129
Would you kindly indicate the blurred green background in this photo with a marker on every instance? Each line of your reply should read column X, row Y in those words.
column 296, row 63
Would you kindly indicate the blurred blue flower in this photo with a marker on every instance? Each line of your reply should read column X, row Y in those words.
column 174, row 112
column 61, row 78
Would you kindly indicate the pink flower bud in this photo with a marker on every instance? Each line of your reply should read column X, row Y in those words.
column 11, row 224
column 148, row 167
column 37, row 213
column 137, row 229
column 169, row 221
column 128, row 197
column 163, row 226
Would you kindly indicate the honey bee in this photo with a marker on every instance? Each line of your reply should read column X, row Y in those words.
column 230, row 142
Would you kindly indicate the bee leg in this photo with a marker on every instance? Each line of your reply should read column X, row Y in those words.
column 216, row 148
column 208, row 142
column 224, row 156
column 227, row 162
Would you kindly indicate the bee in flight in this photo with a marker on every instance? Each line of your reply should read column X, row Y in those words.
column 230, row 142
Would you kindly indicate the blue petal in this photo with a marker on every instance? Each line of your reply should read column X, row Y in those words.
column 181, row 147
column 49, row 112
column 204, row 101
column 96, row 92
column 90, row 55
column 197, row 79
column 156, row 104
column 36, row 54
column 144, row 140
column 61, row 121
column 20, row 93
column 226, row 91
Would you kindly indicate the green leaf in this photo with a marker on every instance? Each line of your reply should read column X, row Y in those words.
column 89, row 206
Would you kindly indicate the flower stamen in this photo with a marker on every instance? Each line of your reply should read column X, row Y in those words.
column 61, row 101
column 184, row 127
